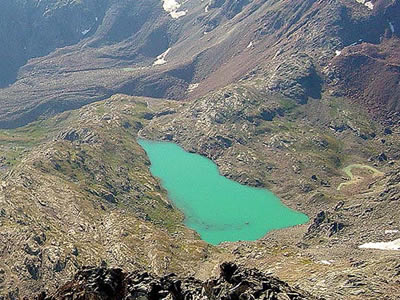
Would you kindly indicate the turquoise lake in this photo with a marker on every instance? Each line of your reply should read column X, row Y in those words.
column 217, row 208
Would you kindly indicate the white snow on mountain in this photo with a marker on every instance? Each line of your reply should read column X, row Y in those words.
column 368, row 4
column 172, row 7
column 161, row 58
column 391, row 27
column 393, row 245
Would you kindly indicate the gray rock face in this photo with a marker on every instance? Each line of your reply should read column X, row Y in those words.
column 296, row 78
column 324, row 224
column 81, row 136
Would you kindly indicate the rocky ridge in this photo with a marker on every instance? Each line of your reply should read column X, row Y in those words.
column 233, row 283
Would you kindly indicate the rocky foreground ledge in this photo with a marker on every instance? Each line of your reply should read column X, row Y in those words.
column 233, row 283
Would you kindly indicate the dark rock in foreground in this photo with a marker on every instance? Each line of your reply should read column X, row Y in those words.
column 233, row 283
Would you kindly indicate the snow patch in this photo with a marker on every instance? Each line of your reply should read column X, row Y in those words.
column 171, row 7
column 391, row 27
column 206, row 9
column 368, row 4
column 192, row 87
column 338, row 52
column 86, row 31
column 250, row 45
column 326, row 262
column 161, row 58
column 393, row 245
column 279, row 52
column 391, row 231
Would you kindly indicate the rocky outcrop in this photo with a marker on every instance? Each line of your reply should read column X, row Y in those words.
column 324, row 224
column 233, row 283
column 83, row 135
column 296, row 78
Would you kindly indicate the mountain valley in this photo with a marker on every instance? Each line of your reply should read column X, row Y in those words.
column 299, row 97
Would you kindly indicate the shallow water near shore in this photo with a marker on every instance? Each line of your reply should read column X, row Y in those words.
column 217, row 208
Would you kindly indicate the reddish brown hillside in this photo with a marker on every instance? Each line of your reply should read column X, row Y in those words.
column 370, row 74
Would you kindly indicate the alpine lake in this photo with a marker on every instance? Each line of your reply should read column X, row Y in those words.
column 217, row 208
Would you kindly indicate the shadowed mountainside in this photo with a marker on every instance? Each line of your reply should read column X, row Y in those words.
column 31, row 28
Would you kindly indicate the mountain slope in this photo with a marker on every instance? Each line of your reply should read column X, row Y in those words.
column 138, row 48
